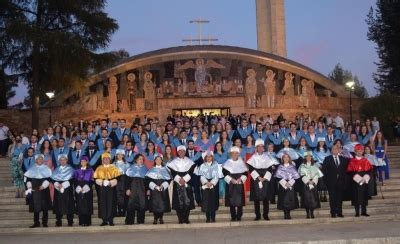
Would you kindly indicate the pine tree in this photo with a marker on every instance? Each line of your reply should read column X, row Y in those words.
column 341, row 76
column 384, row 30
column 53, row 45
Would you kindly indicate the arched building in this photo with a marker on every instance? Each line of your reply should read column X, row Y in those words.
column 204, row 79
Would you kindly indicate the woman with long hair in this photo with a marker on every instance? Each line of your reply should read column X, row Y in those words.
column 380, row 144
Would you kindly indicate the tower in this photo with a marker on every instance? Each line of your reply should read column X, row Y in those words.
column 271, row 28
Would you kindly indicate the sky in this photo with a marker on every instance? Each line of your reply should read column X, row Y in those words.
column 319, row 33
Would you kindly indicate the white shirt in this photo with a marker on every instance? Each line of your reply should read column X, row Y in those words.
column 3, row 132
column 339, row 122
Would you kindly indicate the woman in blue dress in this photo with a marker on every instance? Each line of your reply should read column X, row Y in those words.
column 141, row 146
column 380, row 152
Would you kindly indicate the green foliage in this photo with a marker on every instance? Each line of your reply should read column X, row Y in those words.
column 7, row 83
column 384, row 30
column 386, row 107
column 52, row 45
column 341, row 76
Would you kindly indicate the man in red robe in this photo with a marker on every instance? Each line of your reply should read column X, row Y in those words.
column 360, row 169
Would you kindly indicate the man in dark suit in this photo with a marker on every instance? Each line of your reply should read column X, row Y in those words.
column 334, row 169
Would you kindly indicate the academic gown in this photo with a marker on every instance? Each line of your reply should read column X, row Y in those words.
column 39, row 200
column 235, row 193
column 84, row 201
column 107, row 197
column 182, row 196
column 260, row 165
column 360, row 193
column 122, row 183
column 159, row 200
column 64, row 198
column 287, row 198
column 210, row 172
column 310, row 178
column 138, row 187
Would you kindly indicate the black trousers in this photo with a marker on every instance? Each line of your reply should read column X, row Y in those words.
column 3, row 147
column 236, row 212
column 158, row 215
column 210, row 215
column 363, row 209
column 130, row 216
column 183, row 215
column 85, row 219
column 196, row 189
column 70, row 218
column 45, row 217
column 336, row 199
column 265, row 208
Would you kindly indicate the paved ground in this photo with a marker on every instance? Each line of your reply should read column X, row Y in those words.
column 322, row 232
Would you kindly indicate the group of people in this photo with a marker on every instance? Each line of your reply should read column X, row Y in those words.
column 204, row 161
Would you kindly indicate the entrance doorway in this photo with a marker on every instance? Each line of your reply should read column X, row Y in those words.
column 194, row 112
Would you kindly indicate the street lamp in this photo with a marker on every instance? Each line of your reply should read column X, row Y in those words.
column 50, row 95
column 350, row 85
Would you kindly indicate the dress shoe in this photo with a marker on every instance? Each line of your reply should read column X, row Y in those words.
column 340, row 215
column 34, row 226
column 212, row 220
column 208, row 221
column 233, row 219
column 333, row 215
column 45, row 225
column 266, row 218
column 111, row 223
column 187, row 222
column 357, row 215
column 161, row 221
column 239, row 219
column 58, row 224
column 257, row 218
column 155, row 222
column 365, row 214
column 103, row 224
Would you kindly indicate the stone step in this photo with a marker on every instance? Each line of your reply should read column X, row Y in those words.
column 390, row 199
column 171, row 219
column 197, row 225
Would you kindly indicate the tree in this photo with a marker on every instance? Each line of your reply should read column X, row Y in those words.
column 7, row 83
column 52, row 45
column 386, row 108
column 341, row 76
column 384, row 30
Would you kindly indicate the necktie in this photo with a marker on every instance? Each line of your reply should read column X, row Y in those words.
column 30, row 161
column 276, row 135
column 61, row 151
column 91, row 153
column 191, row 154
column 184, row 141
column 336, row 161
column 78, row 154
column 259, row 134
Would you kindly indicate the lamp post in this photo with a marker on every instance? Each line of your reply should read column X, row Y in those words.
column 50, row 95
column 350, row 85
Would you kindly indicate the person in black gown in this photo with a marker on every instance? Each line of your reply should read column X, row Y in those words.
column 209, row 173
column 159, row 178
column 136, row 191
column 62, row 178
column 83, row 177
column 38, row 194
column 286, row 175
column 235, row 171
column 182, row 169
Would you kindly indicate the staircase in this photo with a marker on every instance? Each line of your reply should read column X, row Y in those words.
column 15, row 218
